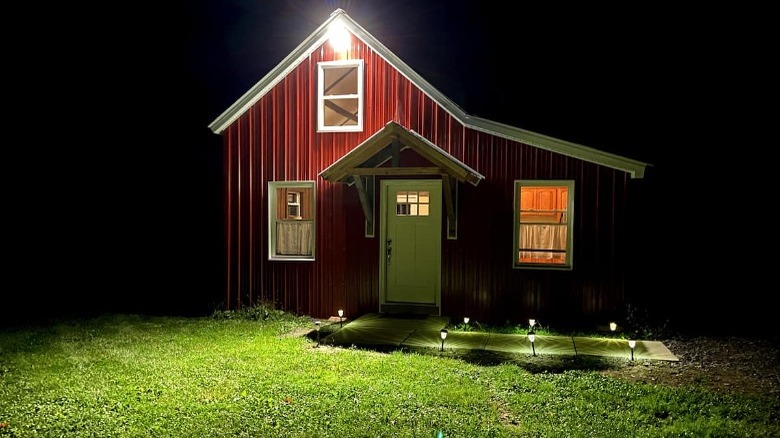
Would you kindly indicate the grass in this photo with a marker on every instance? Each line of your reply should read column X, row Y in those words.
column 239, row 374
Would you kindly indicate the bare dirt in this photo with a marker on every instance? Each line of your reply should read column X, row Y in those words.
column 727, row 365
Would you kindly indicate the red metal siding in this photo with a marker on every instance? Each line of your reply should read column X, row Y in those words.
column 276, row 140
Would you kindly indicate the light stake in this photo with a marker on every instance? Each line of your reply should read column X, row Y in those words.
column 317, row 324
column 632, row 344
column 443, row 337
column 341, row 313
column 532, row 338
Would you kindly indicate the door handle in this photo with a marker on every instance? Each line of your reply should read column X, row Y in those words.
column 389, row 249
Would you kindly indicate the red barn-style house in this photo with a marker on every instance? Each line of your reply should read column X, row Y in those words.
column 352, row 183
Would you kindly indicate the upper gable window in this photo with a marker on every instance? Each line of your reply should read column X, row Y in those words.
column 340, row 96
column 543, row 224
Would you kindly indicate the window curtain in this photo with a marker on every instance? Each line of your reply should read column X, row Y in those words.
column 535, row 236
column 293, row 237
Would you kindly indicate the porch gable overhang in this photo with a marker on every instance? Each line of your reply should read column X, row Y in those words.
column 367, row 159
column 386, row 144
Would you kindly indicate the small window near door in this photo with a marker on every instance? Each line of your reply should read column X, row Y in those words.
column 412, row 203
column 543, row 224
column 291, row 220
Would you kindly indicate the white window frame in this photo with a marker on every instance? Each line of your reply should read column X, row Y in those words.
column 273, row 219
column 322, row 99
column 569, row 264
column 295, row 203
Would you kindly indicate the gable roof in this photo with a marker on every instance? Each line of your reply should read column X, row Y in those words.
column 633, row 167
column 377, row 149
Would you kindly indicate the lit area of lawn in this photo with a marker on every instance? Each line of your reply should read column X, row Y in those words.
column 249, row 375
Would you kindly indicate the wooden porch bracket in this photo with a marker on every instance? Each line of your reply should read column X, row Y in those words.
column 449, row 187
column 365, row 190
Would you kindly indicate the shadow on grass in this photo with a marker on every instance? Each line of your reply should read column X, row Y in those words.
column 541, row 363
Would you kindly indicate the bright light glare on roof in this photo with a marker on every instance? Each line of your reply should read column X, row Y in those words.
column 338, row 36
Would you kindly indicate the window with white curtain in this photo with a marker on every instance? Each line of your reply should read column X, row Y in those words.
column 544, row 212
column 291, row 220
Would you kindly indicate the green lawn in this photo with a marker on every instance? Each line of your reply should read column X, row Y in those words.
column 128, row 375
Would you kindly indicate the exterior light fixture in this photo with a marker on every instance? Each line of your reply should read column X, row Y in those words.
column 531, row 323
column 465, row 320
column 443, row 337
column 338, row 36
column 612, row 326
column 532, row 338
column 341, row 314
column 317, row 325
column 632, row 344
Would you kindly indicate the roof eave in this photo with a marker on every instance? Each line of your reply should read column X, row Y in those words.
column 636, row 169
column 276, row 75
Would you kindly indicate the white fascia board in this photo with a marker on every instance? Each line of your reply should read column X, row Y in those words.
column 633, row 167
column 264, row 85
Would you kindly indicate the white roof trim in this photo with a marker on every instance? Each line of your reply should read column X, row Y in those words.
column 447, row 155
column 635, row 168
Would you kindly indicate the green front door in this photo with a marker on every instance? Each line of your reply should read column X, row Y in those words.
column 410, row 251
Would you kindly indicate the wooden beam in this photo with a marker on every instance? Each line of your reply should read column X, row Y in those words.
column 365, row 199
column 396, row 152
column 341, row 111
column 395, row 171
column 449, row 202
column 370, row 227
column 339, row 171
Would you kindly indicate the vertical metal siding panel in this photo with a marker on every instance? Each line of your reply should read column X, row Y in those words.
column 252, row 208
column 277, row 174
column 266, row 135
column 246, row 209
column 228, row 190
column 239, row 205
column 262, row 241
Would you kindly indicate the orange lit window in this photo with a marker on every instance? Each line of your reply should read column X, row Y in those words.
column 543, row 224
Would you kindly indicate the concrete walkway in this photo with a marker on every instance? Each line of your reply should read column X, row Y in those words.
column 373, row 330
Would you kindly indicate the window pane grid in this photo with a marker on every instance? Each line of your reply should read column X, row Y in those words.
column 412, row 203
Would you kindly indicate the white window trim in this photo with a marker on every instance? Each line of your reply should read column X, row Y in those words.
column 272, row 205
column 296, row 203
column 569, row 265
column 321, row 98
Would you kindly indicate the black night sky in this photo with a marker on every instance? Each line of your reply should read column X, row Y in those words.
column 114, row 180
